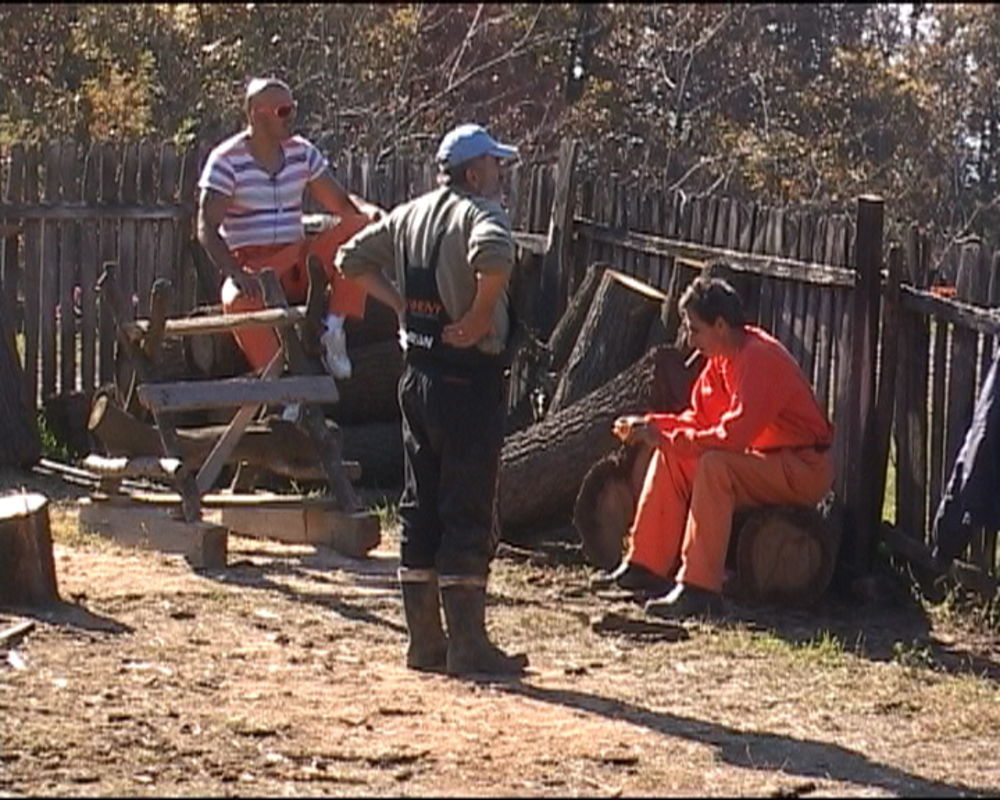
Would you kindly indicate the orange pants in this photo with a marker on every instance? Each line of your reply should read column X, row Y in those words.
column 347, row 298
column 685, row 510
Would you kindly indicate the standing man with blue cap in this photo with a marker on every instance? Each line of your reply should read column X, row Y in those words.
column 452, row 254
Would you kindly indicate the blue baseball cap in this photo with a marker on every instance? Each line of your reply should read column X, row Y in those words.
column 471, row 141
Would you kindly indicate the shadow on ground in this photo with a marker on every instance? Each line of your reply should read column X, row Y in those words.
column 759, row 751
column 71, row 615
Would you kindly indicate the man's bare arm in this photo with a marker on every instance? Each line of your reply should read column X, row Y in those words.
column 212, row 207
column 331, row 195
column 379, row 287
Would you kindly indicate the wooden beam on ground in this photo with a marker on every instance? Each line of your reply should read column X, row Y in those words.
column 15, row 633
column 352, row 534
column 229, row 392
column 203, row 544
column 134, row 467
column 237, row 500
column 220, row 323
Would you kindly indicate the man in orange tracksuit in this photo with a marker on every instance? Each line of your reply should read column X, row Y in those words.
column 753, row 435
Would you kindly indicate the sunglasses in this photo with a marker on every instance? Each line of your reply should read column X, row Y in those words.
column 283, row 112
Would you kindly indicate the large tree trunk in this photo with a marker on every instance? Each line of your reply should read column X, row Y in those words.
column 378, row 448
column 542, row 467
column 613, row 336
column 27, row 570
column 370, row 394
column 565, row 334
column 19, row 442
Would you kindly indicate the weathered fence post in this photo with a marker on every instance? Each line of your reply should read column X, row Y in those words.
column 860, row 390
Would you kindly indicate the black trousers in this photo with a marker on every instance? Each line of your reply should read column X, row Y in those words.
column 452, row 434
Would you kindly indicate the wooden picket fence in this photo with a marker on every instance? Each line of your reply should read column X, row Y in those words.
column 134, row 203
column 814, row 279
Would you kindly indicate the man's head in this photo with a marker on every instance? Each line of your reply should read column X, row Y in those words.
column 270, row 108
column 713, row 315
column 469, row 158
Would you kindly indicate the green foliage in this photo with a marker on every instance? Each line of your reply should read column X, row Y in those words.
column 52, row 446
column 790, row 103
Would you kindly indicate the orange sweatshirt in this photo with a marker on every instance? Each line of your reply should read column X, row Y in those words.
column 759, row 399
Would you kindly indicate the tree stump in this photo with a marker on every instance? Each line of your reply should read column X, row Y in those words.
column 605, row 506
column 27, row 570
column 785, row 554
column 612, row 338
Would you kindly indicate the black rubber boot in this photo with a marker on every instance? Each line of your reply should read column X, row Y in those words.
column 469, row 649
column 427, row 648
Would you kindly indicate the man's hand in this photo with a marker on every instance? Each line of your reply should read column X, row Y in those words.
column 634, row 429
column 468, row 330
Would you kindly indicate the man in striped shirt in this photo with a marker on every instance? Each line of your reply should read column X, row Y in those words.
column 250, row 218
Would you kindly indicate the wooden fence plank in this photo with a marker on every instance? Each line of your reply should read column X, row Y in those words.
column 89, row 255
column 49, row 274
column 145, row 259
column 127, row 233
column 69, row 261
column 938, row 420
column 13, row 194
column 31, row 278
column 108, row 251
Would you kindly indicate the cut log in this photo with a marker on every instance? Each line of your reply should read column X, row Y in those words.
column 19, row 442
column 278, row 446
column 370, row 394
column 378, row 448
column 27, row 569
column 785, row 554
column 612, row 338
column 605, row 505
column 543, row 466
column 565, row 334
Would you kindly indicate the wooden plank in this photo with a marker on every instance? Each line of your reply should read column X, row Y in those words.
column 31, row 281
column 770, row 265
column 327, row 446
column 223, row 448
column 810, row 316
column 824, row 349
column 49, row 275
column 134, row 467
column 234, row 392
column 962, row 359
column 69, row 262
column 127, row 233
column 861, row 377
column 938, row 410
column 244, row 500
column 89, row 255
column 351, row 534
column 220, row 323
column 108, row 245
column 202, row 544
column 879, row 428
column 842, row 321
column 13, row 193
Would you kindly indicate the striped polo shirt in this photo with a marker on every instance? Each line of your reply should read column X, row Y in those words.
column 262, row 210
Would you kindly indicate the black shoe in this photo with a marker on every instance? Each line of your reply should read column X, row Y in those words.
column 427, row 648
column 632, row 578
column 685, row 601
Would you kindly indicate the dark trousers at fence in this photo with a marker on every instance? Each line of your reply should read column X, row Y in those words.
column 452, row 435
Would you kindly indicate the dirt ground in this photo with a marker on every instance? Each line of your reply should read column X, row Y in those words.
column 281, row 675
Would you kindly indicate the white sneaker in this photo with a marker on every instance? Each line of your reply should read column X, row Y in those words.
column 335, row 353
